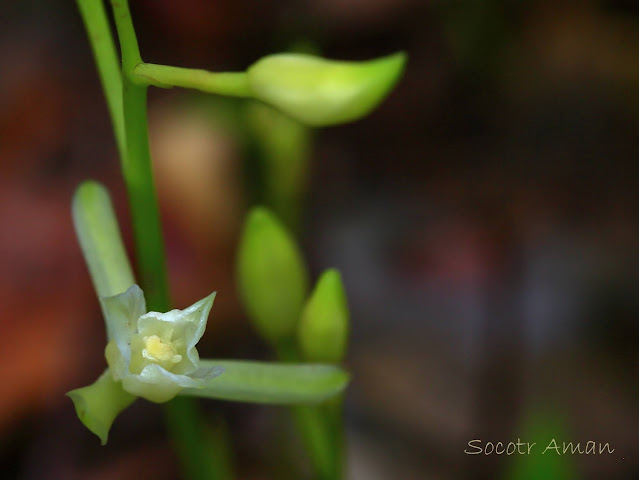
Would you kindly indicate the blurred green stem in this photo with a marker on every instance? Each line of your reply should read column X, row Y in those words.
column 334, row 413
column 233, row 84
column 136, row 169
column 317, row 427
column 193, row 442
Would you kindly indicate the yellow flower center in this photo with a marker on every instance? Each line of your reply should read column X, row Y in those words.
column 159, row 351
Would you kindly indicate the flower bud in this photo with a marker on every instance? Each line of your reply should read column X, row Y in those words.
column 323, row 329
column 272, row 278
column 323, row 92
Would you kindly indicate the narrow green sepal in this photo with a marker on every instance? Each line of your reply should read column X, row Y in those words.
column 272, row 277
column 97, row 405
column 323, row 329
column 272, row 383
column 323, row 92
column 97, row 229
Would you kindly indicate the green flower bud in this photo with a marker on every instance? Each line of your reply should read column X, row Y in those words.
column 323, row 92
column 323, row 329
column 272, row 278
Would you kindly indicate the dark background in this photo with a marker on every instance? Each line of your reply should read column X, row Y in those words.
column 484, row 219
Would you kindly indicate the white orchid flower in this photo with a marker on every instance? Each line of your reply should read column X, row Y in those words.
column 153, row 354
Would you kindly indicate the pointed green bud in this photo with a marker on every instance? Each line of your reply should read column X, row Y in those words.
column 323, row 92
column 272, row 277
column 98, row 404
column 323, row 329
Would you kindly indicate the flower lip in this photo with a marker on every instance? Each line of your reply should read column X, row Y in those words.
column 153, row 353
column 159, row 351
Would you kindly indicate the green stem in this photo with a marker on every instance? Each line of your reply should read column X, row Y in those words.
column 138, row 176
column 137, row 171
column 334, row 412
column 222, row 83
column 203, row 454
column 315, row 426
column 126, row 33
column 106, row 59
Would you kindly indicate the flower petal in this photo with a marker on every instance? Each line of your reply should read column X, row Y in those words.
column 115, row 360
column 157, row 384
column 98, row 404
column 197, row 314
column 188, row 325
column 207, row 373
column 121, row 313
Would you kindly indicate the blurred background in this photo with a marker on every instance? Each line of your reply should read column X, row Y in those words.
column 484, row 218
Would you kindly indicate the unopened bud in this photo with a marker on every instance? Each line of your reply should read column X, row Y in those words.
column 323, row 330
column 272, row 278
column 323, row 92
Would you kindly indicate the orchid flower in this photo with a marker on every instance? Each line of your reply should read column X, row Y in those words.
column 153, row 354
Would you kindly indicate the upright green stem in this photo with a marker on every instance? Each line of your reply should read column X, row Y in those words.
column 317, row 428
column 138, row 176
column 334, row 413
column 106, row 59
column 137, row 171
column 126, row 33
column 204, row 454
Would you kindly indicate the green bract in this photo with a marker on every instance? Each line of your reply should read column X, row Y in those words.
column 153, row 354
column 323, row 92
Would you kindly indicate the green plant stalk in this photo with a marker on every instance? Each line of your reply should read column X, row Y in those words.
column 99, row 33
column 317, row 427
column 233, row 84
column 284, row 147
column 137, row 172
column 192, row 443
column 334, row 413
column 126, row 34
column 138, row 176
